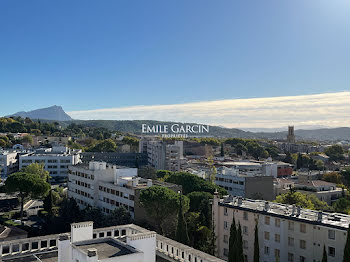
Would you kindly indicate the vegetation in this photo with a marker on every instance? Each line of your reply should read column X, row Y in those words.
column 181, row 228
column 308, row 201
column 335, row 153
column 161, row 204
column 192, row 183
column 26, row 185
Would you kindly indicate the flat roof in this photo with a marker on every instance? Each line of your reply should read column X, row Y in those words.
column 106, row 248
column 45, row 256
column 335, row 220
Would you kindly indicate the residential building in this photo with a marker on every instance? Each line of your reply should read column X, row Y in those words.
column 249, row 184
column 324, row 191
column 57, row 140
column 291, row 233
column 126, row 243
column 8, row 162
column 163, row 155
column 108, row 187
column 56, row 160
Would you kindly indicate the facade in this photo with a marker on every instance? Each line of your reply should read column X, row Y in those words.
column 250, row 185
column 107, row 187
column 8, row 163
column 43, row 140
column 163, row 155
column 293, row 234
column 119, row 159
column 126, row 243
column 56, row 160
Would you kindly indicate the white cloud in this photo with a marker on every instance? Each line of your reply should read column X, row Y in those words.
column 330, row 109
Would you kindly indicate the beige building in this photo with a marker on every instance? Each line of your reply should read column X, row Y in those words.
column 291, row 233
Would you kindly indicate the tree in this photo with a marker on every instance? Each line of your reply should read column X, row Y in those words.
column 48, row 203
column 299, row 161
column 26, row 185
column 119, row 216
column 288, row 158
column 239, row 244
column 181, row 228
column 107, row 145
column 27, row 139
column 37, row 169
column 191, row 183
column 232, row 249
column 309, row 201
column 240, row 148
column 196, row 199
column 333, row 177
column 324, row 256
column 256, row 244
column 222, row 152
column 346, row 257
column 335, row 153
column 161, row 203
column 70, row 212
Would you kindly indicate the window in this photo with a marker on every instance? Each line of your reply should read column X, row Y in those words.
column 266, row 250
column 267, row 235
column 225, row 225
column 290, row 241
column 302, row 244
column 331, row 234
column 277, row 253
column 225, row 211
column 225, row 238
column 277, row 222
column 245, row 230
column 277, row 238
column 245, row 244
column 267, row 220
column 302, row 259
column 331, row 251
column 225, row 252
column 290, row 257
column 290, row 225
column 245, row 215
column 302, row 228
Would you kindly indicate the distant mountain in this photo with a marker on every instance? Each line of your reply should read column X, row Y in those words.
column 134, row 126
column 55, row 113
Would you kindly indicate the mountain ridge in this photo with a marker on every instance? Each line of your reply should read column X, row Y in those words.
column 48, row 113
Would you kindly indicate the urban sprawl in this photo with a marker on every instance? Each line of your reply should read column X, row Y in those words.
column 81, row 193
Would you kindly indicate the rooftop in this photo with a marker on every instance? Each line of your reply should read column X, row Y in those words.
column 335, row 220
column 106, row 248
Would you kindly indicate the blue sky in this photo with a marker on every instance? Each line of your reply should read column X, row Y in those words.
column 86, row 55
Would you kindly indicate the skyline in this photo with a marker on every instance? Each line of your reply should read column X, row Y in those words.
column 85, row 55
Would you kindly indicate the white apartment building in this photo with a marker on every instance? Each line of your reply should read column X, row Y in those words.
column 8, row 162
column 291, row 233
column 105, row 186
column 125, row 243
column 163, row 155
column 245, row 182
column 56, row 160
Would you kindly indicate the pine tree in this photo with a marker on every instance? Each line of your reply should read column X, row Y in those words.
column 256, row 244
column 232, row 242
column 239, row 244
column 48, row 202
column 222, row 150
column 346, row 257
column 181, row 228
column 324, row 257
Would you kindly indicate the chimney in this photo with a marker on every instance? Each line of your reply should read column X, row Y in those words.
column 298, row 210
column 267, row 206
column 239, row 199
column 92, row 252
column 64, row 248
column 293, row 210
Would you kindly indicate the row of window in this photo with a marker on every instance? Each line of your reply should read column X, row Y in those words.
column 115, row 192
column 83, row 193
column 43, row 161
column 117, row 204
column 80, row 174
column 79, row 183
column 229, row 181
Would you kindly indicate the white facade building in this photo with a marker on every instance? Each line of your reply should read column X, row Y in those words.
column 56, row 160
column 286, row 231
column 8, row 162
column 105, row 186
